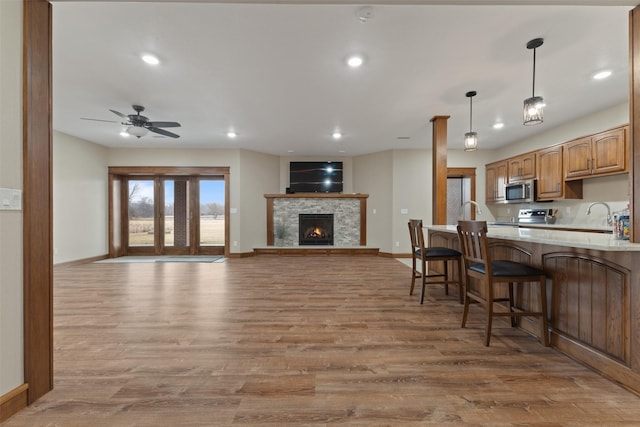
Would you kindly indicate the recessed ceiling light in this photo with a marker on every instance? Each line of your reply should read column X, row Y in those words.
column 498, row 125
column 602, row 75
column 355, row 61
column 150, row 59
column 231, row 134
column 336, row 135
column 290, row 151
column 341, row 151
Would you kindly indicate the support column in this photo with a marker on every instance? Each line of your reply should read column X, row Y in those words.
column 634, row 120
column 439, row 170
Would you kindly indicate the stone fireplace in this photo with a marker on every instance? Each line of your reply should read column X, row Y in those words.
column 347, row 228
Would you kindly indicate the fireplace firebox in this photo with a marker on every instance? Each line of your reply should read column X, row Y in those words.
column 316, row 229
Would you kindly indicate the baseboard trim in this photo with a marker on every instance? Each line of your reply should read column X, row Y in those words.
column 240, row 255
column 81, row 261
column 13, row 402
column 314, row 251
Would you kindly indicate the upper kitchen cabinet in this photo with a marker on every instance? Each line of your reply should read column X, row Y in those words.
column 522, row 167
column 551, row 183
column 496, row 175
column 604, row 153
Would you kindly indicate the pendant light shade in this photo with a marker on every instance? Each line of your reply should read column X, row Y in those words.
column 471, row 138
column 533, row 107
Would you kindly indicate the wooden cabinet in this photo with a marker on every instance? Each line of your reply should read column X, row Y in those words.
column 522, row 167
column 551, row 183
column 604, row 153
column 496, row 176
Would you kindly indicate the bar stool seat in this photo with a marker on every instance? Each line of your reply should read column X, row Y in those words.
column 479, row 265
column 424, row 255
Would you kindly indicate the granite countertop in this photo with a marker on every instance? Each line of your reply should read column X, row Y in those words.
column 575, row 239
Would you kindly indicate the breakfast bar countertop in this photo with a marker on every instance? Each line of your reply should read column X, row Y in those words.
column 576, row 239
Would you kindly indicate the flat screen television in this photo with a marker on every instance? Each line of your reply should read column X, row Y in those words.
column 315, row 177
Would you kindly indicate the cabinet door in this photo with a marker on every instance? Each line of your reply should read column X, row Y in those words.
column 577, row 158
column 549, row 162
column 496, row 178
column 522, row 167
column 609, row 152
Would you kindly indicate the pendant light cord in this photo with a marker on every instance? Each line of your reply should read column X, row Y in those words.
column 470, row 114
column 533, row 89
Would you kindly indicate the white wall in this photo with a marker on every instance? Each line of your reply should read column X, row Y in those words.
column 373, row 175
column 259, row 175
column 11, row 298
column 251, row 176
column 80, row 199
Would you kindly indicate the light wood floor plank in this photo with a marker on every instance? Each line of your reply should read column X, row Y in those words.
column 300, row 341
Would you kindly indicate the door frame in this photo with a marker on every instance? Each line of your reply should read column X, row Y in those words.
column 118, row 212
column 465, row 173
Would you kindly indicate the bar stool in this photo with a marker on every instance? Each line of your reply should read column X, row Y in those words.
column 479, row 265
column 437, row 253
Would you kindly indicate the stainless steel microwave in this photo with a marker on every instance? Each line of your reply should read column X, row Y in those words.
column 520, row 192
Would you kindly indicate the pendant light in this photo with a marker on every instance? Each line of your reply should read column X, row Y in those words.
column 533, row 106
column 471, row 138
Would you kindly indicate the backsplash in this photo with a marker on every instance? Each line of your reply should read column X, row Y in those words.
column 612, row 190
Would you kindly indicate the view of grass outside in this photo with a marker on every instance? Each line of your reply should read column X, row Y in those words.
column 141, row 231
column 141, row 213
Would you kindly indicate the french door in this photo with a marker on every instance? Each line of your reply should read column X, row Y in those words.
column 168, row 214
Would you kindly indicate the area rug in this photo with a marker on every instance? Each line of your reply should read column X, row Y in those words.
column 163, row 259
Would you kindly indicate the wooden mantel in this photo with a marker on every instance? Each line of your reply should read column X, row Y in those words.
column 363, row 209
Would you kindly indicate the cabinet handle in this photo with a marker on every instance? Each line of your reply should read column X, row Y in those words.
column 588, row 163
column 558, row 187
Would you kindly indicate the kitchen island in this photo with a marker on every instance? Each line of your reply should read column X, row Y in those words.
column 593, row 289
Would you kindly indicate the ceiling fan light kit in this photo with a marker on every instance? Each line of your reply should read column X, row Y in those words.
column 138, row 131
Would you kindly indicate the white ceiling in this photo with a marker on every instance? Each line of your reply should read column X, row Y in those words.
column 275, row 73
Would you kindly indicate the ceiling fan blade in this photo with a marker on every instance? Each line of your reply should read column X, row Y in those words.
column 163, row 132
column 164, row 124
column 99, row 120
column 119, row 114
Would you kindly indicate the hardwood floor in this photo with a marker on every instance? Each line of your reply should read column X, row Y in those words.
column 301, row 341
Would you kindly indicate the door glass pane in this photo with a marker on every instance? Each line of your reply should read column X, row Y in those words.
column 212, row 212
column 169, row 225
column 141, row 213
column 176, row 213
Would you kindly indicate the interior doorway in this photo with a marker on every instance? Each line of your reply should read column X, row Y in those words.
column 461, row 188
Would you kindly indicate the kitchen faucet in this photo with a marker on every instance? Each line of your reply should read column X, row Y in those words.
column 461, row 210
column 609, row 222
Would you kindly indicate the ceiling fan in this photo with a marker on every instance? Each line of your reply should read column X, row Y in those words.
column 139, row 125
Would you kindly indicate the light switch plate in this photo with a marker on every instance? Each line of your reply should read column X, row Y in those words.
column 10, row 199
column 404, row 211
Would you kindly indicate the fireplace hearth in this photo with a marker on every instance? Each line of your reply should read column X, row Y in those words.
column 315, row 229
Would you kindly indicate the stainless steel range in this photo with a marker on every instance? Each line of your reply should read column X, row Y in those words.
column 534, row 216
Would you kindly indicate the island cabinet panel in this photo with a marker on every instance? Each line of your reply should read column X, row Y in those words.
column 590, row 302
column 593, row 297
